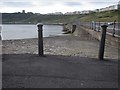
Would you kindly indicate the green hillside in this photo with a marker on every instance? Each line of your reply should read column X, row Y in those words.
column 107, row 16
column 34, row 18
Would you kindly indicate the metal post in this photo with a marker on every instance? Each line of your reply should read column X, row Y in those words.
column 89, row 25
column 73, row 28
column 99, row 26
column 40, row 40
column 94, row 26
column 102, row 42
column 114, row 28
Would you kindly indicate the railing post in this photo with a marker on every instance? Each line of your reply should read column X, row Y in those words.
column 99, row 26
column 94, row 26
column 89, row 25
column 102, row 42
column 40, row 39
column 114, row 28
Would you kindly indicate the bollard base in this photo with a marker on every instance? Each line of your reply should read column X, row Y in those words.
column 101, row 59
column 42, row 55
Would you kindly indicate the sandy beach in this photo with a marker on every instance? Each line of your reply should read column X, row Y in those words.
column 68, row 45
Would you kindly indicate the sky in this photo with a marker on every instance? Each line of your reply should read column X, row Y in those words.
column 51, row 6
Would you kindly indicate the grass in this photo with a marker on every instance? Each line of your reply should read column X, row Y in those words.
column 107, row 16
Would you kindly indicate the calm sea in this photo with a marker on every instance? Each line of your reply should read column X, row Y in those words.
column 28, row 31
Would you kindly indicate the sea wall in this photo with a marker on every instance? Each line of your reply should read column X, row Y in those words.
column 80, row 30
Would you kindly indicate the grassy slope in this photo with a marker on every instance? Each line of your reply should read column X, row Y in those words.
column 100, row 16
column 53, row 18
column 109, row 16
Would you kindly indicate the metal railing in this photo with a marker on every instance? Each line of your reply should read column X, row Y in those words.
column 113, row 28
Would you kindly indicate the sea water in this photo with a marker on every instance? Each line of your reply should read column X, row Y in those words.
column 24, row 31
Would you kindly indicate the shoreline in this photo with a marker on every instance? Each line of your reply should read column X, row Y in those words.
column 37, row 38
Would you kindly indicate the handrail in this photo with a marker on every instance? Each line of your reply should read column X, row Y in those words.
column 96, row 26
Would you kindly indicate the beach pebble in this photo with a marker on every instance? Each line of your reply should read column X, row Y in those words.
column 65, row 45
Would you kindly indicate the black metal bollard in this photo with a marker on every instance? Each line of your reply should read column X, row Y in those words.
column 98, row 26
column 73, row 28
column 94, row 26
column 102, row 42
column 114, row 28
column 40, row 40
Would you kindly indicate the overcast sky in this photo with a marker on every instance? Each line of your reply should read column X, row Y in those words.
column 51, row 6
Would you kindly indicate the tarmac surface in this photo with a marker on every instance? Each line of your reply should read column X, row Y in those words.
column 54, row 71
